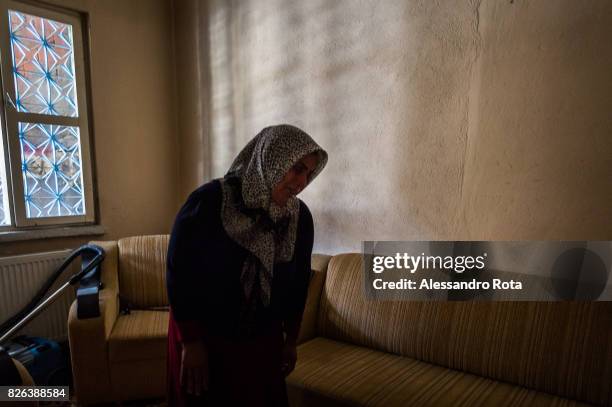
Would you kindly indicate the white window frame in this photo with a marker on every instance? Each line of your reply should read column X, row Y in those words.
column 11, row 117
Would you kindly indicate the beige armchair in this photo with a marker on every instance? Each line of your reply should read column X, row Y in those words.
column 123, row 357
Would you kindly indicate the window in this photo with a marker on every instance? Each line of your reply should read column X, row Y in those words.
column 45, row 165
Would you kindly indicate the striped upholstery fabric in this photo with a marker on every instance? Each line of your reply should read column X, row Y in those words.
column 139, row 335
column 562, row 348
column 142, row 270
column 137, row 350
column 308, row 329
column 331, row 373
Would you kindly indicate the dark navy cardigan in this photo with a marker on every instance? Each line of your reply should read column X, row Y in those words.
column 204, row 265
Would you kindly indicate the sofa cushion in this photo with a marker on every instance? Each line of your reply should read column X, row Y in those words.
column 308, row 329
column 138, row 379
column 140, row 335
column 142, row 270
column 562, row 348
column 332, row 373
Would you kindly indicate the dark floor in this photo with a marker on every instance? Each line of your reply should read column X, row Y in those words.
column 136, row 403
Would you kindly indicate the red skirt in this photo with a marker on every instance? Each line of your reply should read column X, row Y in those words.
column 241, row 372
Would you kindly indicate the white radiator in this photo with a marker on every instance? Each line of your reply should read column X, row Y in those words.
column 20, row 279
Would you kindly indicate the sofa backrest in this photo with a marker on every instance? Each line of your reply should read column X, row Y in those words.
column 563, row 348
column 142, row 275
column 318, row 265
column 142, row 270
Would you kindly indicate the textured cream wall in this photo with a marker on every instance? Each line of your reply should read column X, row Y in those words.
column 539, row 157
column 134, row 131
column 443, row 120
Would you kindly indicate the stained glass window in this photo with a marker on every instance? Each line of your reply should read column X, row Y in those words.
column 43, row 65
column 45, row 169
column 51, row 166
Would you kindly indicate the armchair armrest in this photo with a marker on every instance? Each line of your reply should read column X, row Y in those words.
column 308, row 329
column 89, row 337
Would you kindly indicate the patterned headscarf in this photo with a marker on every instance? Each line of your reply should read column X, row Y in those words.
column 249, row 215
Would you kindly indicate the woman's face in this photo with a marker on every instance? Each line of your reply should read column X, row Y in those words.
column 295, row 180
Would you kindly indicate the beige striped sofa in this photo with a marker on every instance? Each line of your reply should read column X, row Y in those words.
column 118, row 357
column 359, row 352
column 123, row 357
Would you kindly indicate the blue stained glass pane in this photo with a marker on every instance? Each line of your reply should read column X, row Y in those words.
column 43, row 65
column 51, row 166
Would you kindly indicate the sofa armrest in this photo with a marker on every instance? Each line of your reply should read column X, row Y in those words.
column 89, row 337
column 110, row 266
column 308, row 329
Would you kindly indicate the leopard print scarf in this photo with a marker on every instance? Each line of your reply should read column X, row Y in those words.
column 249, row 215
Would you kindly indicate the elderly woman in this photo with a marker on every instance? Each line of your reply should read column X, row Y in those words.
column 238, row 272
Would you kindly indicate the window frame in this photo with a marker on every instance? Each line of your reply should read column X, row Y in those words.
column 11, row 117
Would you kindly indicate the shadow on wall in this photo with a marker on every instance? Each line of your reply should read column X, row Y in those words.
column 442, row 122
column 377, row 86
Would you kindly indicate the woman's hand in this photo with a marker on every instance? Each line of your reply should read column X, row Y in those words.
column 289, row 358
column 194, row 367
